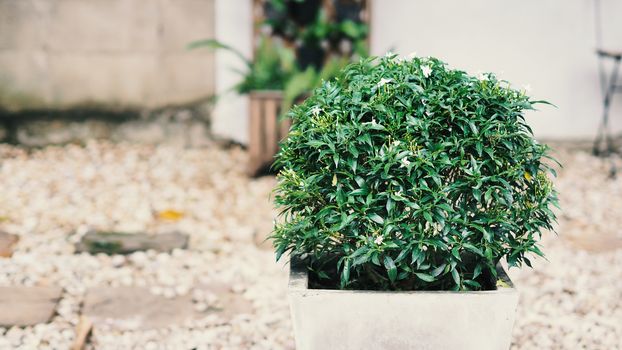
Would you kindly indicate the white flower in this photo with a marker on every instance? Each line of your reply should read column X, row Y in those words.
column 316, row 110
column 424, row 248
column 378, row 240
column 405, row 162
column 396, row 143
column 426, row 70
column 407, row 209
column 383, row 81
column 388, row 54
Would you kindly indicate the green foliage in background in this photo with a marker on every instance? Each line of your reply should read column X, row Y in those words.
column 321, row 29
column 408, row 175
column 274, row 68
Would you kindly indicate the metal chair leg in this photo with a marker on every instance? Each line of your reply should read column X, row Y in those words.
column 604, row 134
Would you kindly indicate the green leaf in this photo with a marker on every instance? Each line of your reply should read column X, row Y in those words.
column 437, row 271
column 376, row 218
column 456, row 276
column 425, row 277
column 389, row 264
column 345, row 275
column 477, row 271
column 470, row 247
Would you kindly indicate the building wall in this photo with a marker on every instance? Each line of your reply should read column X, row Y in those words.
column 120, row 53
column 546, row 44
column 234, row 26
column 111, row 53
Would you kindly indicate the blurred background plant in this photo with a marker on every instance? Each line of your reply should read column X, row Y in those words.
column 300, row 43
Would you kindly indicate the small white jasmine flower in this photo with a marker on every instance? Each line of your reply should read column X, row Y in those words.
column 424, row 248
column 405, row 162
column 316, row 110
column 407, row 209
column 350, row 211
column 383, row 82
column 426, row 70
column 378, row 240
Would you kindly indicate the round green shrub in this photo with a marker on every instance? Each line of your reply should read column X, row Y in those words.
column 408, row 175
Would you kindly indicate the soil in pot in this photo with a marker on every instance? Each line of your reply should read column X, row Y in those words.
column 329, row 279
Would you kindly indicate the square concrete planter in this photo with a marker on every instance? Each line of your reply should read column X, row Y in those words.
column 436, row 320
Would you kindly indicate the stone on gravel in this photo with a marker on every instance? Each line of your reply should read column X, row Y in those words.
column 126, row 243
column 7, row 241
column 133, row 308
column 27, row 306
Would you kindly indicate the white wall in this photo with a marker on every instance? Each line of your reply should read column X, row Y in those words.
column 547, row 44
column 234, row 26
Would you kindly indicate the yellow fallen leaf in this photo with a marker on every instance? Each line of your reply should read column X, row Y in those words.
column 502, row 284
column 528, row 176
column 170, row 214
column 334, row 179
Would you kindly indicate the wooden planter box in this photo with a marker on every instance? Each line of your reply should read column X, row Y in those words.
column 266, row 130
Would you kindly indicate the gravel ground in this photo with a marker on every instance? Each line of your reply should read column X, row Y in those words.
column 50, row 197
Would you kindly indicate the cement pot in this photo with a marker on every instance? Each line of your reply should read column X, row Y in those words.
column 436, row 320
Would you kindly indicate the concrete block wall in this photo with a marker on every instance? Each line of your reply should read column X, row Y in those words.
column 63, row 54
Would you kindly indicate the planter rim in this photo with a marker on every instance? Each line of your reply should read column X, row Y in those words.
column 299, row 283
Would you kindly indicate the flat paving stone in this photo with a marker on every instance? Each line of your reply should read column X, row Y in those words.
column 7, row 242
column 128, row 308
column 596, row 243
column 27, row 306
column 229, row 304
column 126, row 243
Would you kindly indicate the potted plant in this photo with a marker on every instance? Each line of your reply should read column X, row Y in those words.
column 274, row 82
column 403, row 184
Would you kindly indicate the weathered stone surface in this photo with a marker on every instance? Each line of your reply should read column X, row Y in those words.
column 223, row 300
column 26, row 306
column 78, row 26
column 181, row 127
column 61, row 54
column 7, row 241
column 126, row 243
column 41, row 133
column 136, row 308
